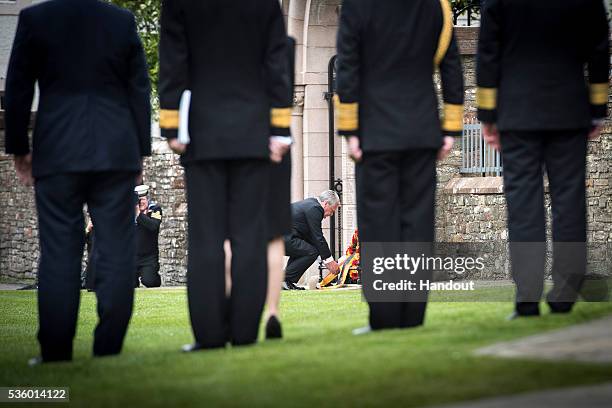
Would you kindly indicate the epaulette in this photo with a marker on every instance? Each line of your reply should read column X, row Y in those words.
column 155, row 211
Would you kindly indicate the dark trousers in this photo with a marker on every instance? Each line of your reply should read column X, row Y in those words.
column 59, row 201
column 147, row 272
column 562, row 155
column 226, row 199
column 396, row 203
column 301, row 254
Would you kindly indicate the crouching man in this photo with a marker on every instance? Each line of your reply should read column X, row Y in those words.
column 148, row 221
column 306, row 241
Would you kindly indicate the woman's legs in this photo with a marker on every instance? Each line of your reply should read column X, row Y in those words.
column 276, row 275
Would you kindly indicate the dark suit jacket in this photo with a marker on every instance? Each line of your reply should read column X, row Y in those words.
column 232, row 55
column 307, row 216
column 94, row 107
column 387, row 54
column 531, row 64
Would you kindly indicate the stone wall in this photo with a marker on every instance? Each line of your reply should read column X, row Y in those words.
column 18, row 225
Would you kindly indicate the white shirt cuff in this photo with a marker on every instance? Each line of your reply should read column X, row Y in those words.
column 283, row 139
column 328, row 260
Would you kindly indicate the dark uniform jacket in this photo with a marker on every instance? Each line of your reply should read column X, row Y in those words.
column 387, row 54
column 147, row 235
column 232, row 55
column 531, row 64
column 307, row 216
column 94, row 105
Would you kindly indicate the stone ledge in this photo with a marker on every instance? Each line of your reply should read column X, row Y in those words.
column 475, row 185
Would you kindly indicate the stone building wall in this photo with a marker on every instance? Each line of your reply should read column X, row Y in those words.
column 18, row 225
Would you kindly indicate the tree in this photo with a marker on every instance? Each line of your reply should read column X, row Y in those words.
column 147, row 14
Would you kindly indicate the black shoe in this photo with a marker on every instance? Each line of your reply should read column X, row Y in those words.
column 190, row 348
column 273, row 329
column 560, row 307
column 527, row 308
column 291, row 286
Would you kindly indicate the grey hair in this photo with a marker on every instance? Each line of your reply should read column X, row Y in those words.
column 330, row 197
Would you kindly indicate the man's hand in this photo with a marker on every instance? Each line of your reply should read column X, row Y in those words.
column 23, row 168
column 277, row 150
column 333, row 267
column 491, row 135
column 595, row 131
column 176, row 146
column 354, row 148
column 447, row 146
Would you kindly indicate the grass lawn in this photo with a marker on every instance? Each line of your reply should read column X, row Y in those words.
column 319, row 363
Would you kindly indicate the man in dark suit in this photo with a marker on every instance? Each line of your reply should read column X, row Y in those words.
column 92, row 130
column 233, row 58
column 388, row 110
column 306, row 241
column 537, row 107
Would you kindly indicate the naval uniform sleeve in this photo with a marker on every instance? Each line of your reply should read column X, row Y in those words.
column 451, row 74
column 488, row 62
column 348, row 73
column 139, row 90
column 152, row 221
column 173, row 67
column 314, row 219
column 276, row 68
column 20, row 81
column 599, row 60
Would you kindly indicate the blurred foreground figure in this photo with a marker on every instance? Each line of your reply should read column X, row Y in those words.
column 233, row 58
column 539, row 110
column 279, row 220
column 387, row 54
column 92, row 129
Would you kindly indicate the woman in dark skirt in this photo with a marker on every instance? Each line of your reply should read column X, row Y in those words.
column 279, row 224
column 279, row 220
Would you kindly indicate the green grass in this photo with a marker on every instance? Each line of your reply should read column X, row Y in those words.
column 319, row 363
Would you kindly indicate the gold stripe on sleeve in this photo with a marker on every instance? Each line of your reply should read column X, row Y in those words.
column 486, row 98
column 280, row 117
column 447, row 32
column 168, row 119
column 453, row 118
column 599, row 93
column 347, row 114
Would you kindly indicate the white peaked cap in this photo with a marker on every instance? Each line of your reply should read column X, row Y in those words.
column 141, row 190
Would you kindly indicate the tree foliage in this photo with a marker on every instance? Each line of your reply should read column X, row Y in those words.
column 147, row 14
